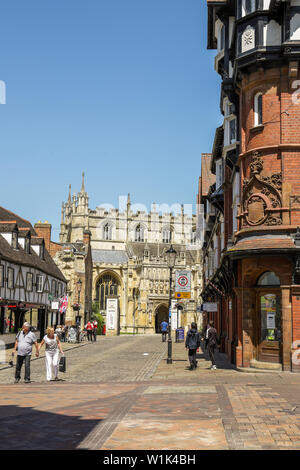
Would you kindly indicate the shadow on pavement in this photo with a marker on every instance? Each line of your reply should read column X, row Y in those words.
column 27, row 428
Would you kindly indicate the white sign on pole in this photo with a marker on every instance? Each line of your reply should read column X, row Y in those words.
column 183, row 281
column 174, row 315
column 54, row 305
column 111, row 313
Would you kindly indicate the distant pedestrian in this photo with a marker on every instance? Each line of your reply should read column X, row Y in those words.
column 204, row 335
column 212, row 343
column 53, row 346
column 164, row 329
column 95, row 329
column 25, row 339
column 89, row 328
column 192, row 343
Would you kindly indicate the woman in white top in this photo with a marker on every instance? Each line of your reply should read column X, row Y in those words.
column 53, row 346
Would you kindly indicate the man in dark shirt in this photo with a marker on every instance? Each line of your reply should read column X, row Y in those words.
column 212, row 343
column 192, row 343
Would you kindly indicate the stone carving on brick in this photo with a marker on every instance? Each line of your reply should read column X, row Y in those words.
column 295, row 201
column 262, row 196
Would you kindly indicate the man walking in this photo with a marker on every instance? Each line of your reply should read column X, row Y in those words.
column 164, row 329
column 24, row 342
column 212, row 343
column 95, row 328
column 89, row 328
column 192, row 343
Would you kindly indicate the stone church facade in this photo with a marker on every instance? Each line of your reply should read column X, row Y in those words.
column 128, row 265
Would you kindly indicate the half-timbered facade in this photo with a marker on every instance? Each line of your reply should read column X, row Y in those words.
column 29, row 278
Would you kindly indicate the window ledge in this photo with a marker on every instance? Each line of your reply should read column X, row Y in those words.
column 258, row 128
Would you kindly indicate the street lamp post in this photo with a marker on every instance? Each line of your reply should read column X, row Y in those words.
column 171, row 253
column 79, row 285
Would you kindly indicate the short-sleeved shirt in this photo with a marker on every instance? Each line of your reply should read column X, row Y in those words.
column 164, row 326
column 25, row 343
column 51, row 344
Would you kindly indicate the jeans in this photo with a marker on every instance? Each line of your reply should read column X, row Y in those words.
column 20, row 360
column 192, row 357
column 95, row 334
column 211, row 352
column 90, row 335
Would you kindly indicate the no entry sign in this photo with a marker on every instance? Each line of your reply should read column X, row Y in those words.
column 183, row 284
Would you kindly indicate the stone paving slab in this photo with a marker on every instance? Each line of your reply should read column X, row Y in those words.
column 95, row 408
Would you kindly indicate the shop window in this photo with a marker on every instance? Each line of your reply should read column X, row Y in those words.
column 268, row 279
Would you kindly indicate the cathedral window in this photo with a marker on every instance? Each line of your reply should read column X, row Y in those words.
column 167, row 236
column 107, row 232
column 139, row 234
column 107, row 286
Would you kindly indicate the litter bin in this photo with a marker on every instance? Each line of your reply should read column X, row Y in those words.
column 179, row 335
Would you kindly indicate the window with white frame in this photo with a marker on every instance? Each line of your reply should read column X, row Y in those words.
column 10, row 278
column 39, row 283
column 219, row 173
column 230, row 124
column 29, row 282
column 1, row 275
column 258, row 111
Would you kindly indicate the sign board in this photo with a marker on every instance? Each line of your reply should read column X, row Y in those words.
column 54, row 305
column 270, row 320
column 111, row 313
column 210, row 307
column 50, row 297
column 174, row 315
column 183, row 284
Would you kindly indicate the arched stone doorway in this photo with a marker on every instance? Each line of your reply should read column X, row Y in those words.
column 161, row 314
column 107, row 285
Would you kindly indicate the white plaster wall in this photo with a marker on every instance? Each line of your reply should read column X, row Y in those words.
column 272, row 34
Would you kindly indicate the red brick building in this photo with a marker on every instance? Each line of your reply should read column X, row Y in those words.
column 252, row 248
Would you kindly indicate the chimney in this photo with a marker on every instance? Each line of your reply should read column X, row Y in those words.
column 43, row 229
column 87, row 237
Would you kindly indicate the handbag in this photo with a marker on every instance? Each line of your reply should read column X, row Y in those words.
column 62, row 364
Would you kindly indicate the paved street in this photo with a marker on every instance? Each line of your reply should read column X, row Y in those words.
column 127, row 397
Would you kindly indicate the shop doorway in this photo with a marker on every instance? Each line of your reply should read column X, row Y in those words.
column 162, row 314
column 269, row 320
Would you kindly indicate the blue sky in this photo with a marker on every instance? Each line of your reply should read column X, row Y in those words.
column 122, row 89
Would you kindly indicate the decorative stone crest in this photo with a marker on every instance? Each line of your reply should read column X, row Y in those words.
column 261, row 199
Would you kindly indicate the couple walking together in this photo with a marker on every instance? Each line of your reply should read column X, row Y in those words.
column 193, row 341
column 23, row 346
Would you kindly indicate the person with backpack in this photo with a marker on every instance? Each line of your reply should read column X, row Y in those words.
column 192, row 343
column 212, row 343
column 25, row 339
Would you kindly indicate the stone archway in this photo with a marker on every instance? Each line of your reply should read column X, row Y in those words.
column 107, row 285
column 161, row 314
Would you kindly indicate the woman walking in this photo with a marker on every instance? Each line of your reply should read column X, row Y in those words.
column 53, row 346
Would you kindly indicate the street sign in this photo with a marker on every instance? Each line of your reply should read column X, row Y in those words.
column 210, row 307
column 50, row 297
column 182, row 295
column 183, row 284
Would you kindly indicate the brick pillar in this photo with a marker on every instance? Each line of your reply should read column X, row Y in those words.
column 44, row 230
column 286, row 327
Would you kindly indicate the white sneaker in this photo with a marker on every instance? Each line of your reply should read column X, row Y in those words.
column 214, row 367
